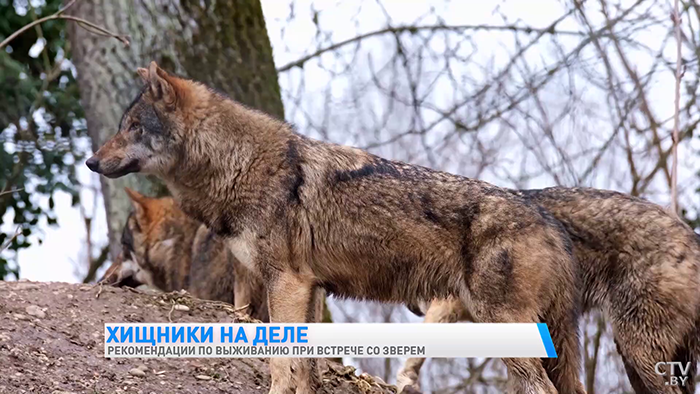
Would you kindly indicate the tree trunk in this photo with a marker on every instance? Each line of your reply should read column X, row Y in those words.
column 221, row 43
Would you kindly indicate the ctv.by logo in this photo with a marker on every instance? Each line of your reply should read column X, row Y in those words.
column 668, row 371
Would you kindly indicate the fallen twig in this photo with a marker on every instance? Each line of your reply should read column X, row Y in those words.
column 100, row 290
column 170, row 314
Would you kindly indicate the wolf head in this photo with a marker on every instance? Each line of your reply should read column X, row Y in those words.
column 156, row 247
column 152, row 128
column 122, row 273
column 126, row 270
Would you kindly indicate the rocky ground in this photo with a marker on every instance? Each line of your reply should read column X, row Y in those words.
column 52, row 341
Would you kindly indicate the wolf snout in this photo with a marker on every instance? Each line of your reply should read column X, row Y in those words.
column 93, row 164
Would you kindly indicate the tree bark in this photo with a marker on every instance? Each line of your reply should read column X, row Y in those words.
column 221, row 43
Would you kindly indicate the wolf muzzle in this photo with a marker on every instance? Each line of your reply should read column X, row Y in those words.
column 110, row 170
column 93, row 164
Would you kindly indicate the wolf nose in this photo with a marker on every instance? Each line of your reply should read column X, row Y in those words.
column 93, row 164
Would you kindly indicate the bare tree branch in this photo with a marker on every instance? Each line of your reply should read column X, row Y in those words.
column 2, row 193
column 9, row 241
column 676, row 115
column 415, row 29
column 59, row 15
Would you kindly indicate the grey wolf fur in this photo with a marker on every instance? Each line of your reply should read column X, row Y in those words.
column 168, row 250
column 309, row 215
column 639, row 264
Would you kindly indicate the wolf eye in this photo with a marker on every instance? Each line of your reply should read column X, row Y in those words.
column 134, row 126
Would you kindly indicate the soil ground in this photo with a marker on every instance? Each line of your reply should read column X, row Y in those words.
column 52, row 341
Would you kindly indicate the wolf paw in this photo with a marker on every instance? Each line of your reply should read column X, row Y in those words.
column 407, row 382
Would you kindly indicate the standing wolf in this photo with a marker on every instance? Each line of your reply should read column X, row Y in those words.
column 639, row 264
column 310, row 215
column 164, row 248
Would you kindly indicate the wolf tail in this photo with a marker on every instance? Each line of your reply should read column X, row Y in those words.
column 689, row 352
column 695, row 353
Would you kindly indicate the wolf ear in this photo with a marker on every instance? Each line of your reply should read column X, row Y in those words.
column 139, row 202
column 159, row 84
column 143, row 73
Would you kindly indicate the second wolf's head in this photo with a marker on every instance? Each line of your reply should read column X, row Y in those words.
column 156, row 245
column 164, row 248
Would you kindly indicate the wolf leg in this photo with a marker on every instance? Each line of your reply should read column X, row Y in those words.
column 309, row 375
column 448, row 310
column 318, row 297
column 408, row 375
column 242, row 294
column 525, row 375
column 564, row 370
column 292, row 300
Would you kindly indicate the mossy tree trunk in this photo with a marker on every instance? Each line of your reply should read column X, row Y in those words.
column 221, row 43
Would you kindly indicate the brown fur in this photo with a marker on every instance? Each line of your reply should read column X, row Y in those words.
column 171, row 251
column 639, row 264
column 232, row 281
column 309, row 215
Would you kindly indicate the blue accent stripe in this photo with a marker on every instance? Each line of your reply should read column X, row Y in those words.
column 547, row 340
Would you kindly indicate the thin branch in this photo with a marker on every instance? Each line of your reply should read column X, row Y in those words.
column 59, row 15
column 514, row 101
column 592, row 361
column 2, row 193
column 644, row 105
column 414, row 29
column 67, row 6
column 9, row 241
column 676, row 115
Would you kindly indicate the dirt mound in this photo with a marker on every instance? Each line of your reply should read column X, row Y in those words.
column 52, row 341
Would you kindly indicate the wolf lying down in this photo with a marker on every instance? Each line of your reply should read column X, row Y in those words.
column 308, row 215
column 164, row 248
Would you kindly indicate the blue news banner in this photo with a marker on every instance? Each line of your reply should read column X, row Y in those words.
column 458, row 340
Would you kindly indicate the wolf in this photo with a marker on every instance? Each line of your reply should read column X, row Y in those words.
column 309, row 215
column 640, row 265
column 166, row 249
